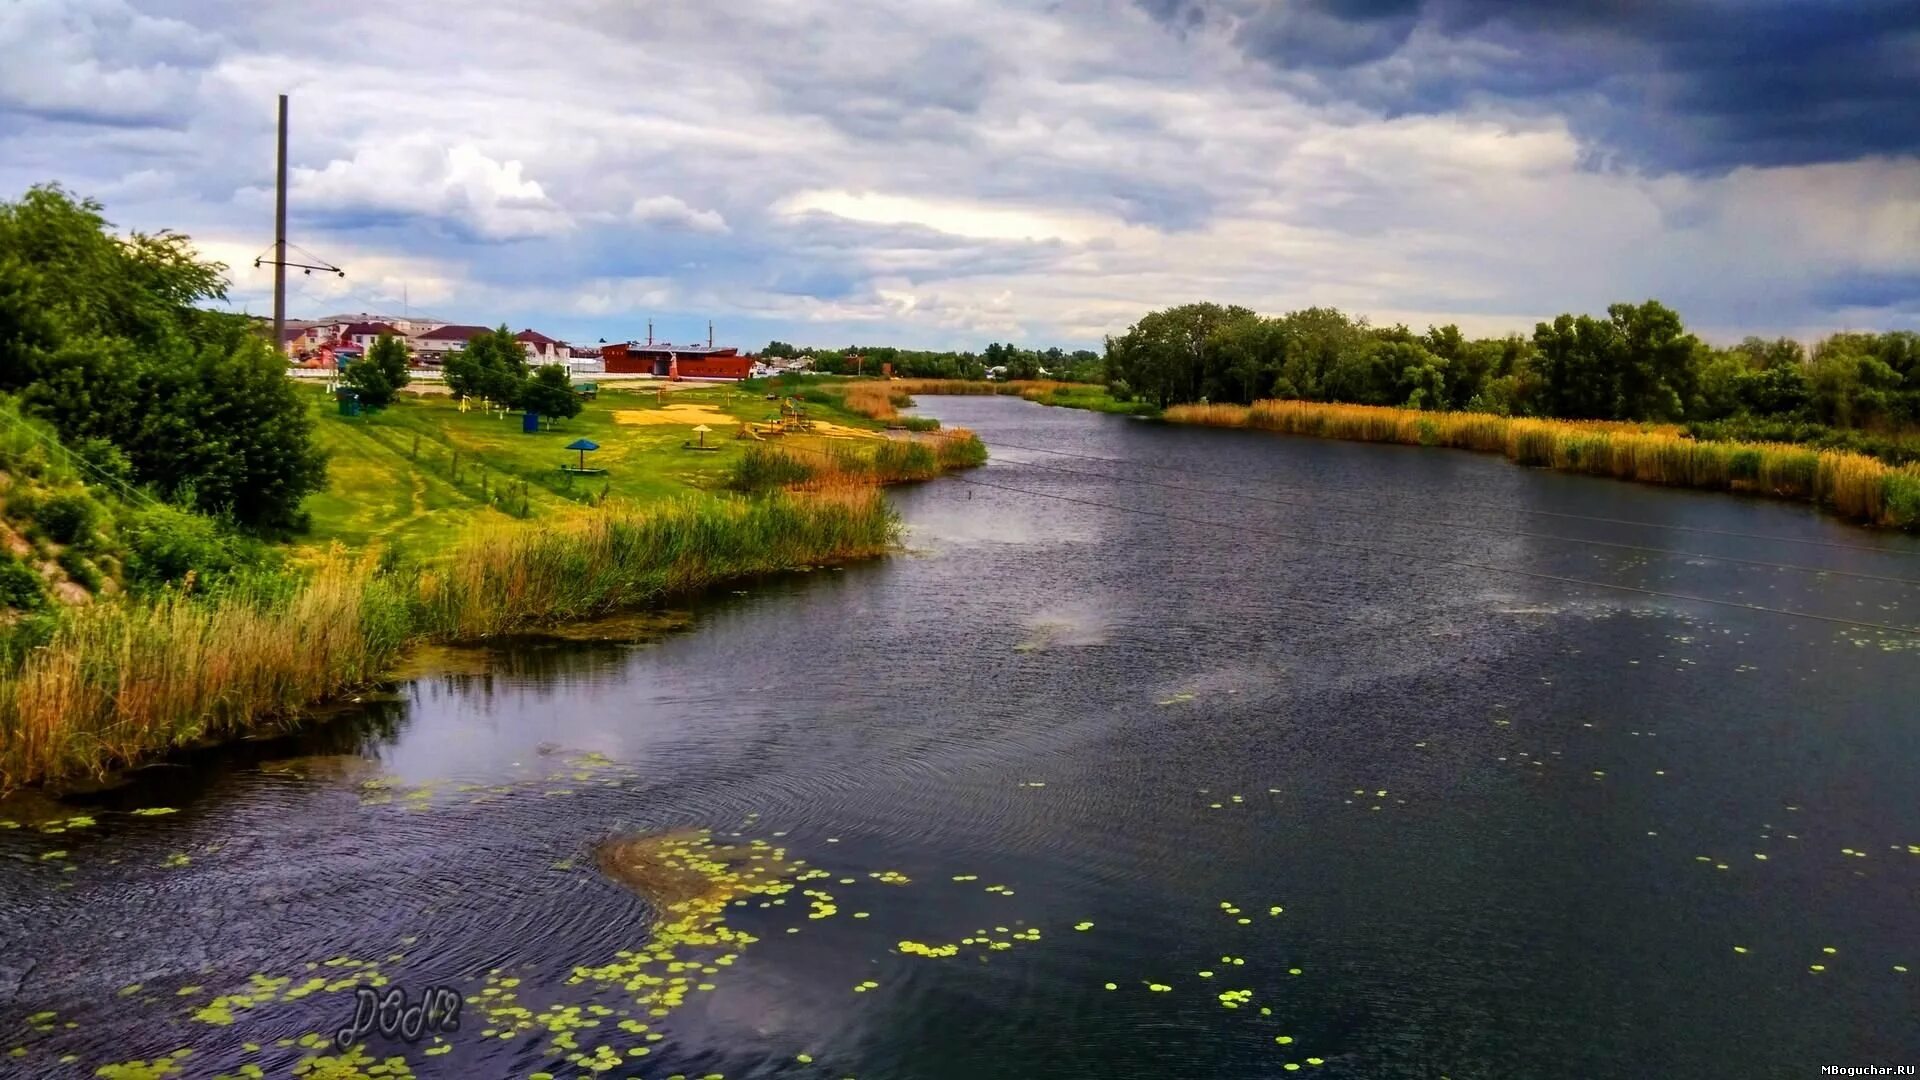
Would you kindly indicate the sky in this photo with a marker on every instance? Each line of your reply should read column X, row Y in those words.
column 947, row 173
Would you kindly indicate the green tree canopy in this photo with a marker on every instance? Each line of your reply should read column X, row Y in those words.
column 550, row 393
column 492, row 366
column 100, row 335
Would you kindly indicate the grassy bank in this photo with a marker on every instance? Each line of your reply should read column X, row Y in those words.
column 117, row 682
column 422, row 472
column 1854, row 485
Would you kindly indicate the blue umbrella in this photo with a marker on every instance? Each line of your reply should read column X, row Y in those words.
column 583, row 445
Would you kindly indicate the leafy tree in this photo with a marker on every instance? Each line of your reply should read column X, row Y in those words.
column 549, row 393
column 100, row 335
column 492, row 366
column 377, row 377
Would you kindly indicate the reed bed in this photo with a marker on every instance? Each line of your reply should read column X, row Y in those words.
column 1855, row 485
column 844, row 465
column 122, row 680
column 883, row 400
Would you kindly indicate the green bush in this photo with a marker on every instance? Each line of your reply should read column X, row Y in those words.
column 66, row 516
column 164, row 544
column 79, row 569
column 20, row 588
column 763, row 468
column 920, row 423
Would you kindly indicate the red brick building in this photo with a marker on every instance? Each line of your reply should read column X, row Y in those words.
column 687, row 361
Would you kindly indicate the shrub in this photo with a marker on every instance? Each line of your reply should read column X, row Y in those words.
column 920, row 423
column 20, row 588
column 763, row 468
column 79, row 569
column 66, row 516
column 164, row 544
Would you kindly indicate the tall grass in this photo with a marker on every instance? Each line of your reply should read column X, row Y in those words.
column 883, row 399
column 842, row 465
column 1855, row 485
column 122, row 680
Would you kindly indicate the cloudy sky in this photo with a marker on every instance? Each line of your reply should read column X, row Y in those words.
column 948, row 172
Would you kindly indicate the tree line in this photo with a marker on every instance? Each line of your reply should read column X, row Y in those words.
column 1080, row 365
column 1638, row 362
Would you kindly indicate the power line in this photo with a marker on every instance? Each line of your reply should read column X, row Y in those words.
column 1494, row 529
column 21, row 424
column 1518, row 510
column 1418, row 557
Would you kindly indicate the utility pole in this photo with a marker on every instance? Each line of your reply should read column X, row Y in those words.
column 279, row 259
column 280, row 237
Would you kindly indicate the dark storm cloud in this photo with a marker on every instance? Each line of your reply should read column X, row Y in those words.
column 1690, row 86
column 925, row 93
column 1865, row 289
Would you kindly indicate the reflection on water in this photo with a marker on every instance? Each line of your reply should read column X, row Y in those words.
column 1067, row 792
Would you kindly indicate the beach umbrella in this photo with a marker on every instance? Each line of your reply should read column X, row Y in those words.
column 701, row 431
column 583, row 445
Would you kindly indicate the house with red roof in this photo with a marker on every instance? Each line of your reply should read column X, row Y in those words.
column 364, row 334
column 542, row 349
column 432, row 346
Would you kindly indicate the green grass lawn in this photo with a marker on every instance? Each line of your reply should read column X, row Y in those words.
column 421, row 472
column 1096, row 399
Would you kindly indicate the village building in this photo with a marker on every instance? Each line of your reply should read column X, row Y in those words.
column 542, row 349
column 432, row 346
column 667, row 360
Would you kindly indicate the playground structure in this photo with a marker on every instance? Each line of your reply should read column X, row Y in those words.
column 791, row 419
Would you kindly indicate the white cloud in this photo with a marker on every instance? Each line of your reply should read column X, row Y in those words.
column 417, row 177
column 933, row 175
column 99, row 61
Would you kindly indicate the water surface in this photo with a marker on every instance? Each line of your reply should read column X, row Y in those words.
column 1159, row 680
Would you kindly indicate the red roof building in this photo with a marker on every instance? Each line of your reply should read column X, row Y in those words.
column 686, row 361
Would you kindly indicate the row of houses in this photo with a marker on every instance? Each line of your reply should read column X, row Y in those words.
column 320, row 342
column 324, row 342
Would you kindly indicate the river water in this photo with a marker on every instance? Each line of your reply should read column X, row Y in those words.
column 1189, row 712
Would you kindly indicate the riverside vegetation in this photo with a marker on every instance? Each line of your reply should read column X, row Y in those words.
column 1855, row 485
column 191, row 545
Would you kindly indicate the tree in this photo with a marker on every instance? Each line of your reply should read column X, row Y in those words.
column 550, row 393
column 369, row 382
column 100, row 335
column 378, row 376
column 1163, row 357
column 389, row 354
column 492, row 366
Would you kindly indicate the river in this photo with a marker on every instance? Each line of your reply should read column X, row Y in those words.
column 1272, row 735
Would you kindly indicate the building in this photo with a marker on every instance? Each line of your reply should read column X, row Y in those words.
column 542, row 349
column 584, row 360
column 404, row 325
column 432, row 346
column 364, row 334
column 669, row 360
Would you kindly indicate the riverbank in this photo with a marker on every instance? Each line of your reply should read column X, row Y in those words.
column 1853, row 485
column 119, row 682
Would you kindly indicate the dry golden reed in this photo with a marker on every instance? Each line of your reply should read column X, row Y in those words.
column 1860, row 487
column 883, row 399
column 124, row 679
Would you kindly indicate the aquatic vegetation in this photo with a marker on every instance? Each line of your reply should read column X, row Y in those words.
column 121, row 680
column 1854, row 485
column 793, row 467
